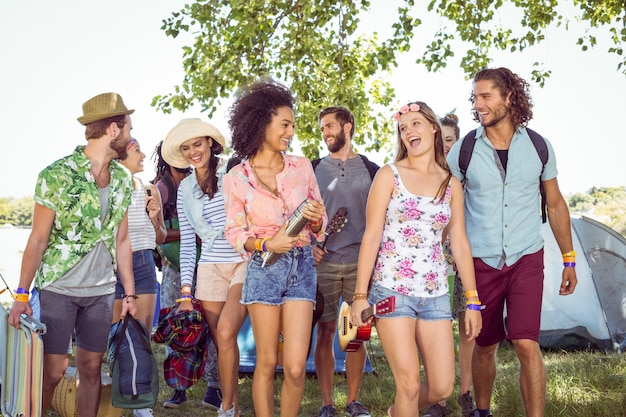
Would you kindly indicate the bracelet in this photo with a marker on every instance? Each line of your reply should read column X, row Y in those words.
column 186, row 290
column 569, row 264
column 21, row 291
column 127, row 296
column 263, row 242
column 316, row 224
column 476, row 302
column 475, row 307
column 570, row 253
column 257, row 244
column 359, row 296
column 471, row 293
column 183, row 298
column 21, row 298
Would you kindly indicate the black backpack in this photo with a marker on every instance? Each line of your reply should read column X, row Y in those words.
column 467, row 147
column 371, row 166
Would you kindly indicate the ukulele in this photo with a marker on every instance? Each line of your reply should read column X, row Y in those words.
column 351, row 337
column 335, row 225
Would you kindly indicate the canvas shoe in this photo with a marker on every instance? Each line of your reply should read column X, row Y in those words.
column 212, row 398
column 437, row 410
column 179, row 397
column 226, row 413
column 356, row 409
column 467, row 404
column 327, row 411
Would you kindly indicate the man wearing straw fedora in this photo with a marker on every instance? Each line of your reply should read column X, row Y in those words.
column 78, row 239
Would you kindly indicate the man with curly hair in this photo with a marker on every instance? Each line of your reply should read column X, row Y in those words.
column 503, row 225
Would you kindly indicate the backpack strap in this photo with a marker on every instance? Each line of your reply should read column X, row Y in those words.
column 465, row 153
column 467, row 147
column 372, row 168
column 542, row 150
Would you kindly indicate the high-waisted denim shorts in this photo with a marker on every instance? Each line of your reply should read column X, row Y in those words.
column 291, row 277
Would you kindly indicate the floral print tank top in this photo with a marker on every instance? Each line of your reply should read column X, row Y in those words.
column 411, row 260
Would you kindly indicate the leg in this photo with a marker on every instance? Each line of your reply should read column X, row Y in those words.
column 231, row 319
column 436, row 345
column 146, row 304
column 88, row 367
column 330, row 284
column 397, row 336
column 355, row 364
column 483, row 374
column 297, row 317
column 466, row 348
column 325, row 359
column 265, row 327
column 532, row 376
column 54, row 367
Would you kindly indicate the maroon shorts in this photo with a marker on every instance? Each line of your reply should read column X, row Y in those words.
column 520, row 287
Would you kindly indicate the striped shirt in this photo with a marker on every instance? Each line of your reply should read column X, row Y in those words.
column 221, row 252
column 140, row 228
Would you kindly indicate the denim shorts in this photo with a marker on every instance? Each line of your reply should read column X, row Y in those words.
column 423, row 308
column 291, row 277
column 144, row 271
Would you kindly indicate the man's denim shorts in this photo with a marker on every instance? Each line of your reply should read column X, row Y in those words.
column 291, row 277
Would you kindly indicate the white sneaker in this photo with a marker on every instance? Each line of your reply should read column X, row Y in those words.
column 226, row 413
column 142, row 412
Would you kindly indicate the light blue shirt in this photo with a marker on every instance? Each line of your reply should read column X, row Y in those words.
column 502, row 210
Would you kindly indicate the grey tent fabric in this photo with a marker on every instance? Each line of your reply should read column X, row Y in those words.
column 594, row 317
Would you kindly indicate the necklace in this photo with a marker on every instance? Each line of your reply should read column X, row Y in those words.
column 274, row 190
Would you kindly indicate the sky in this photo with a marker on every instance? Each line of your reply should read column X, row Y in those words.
column 56, row 55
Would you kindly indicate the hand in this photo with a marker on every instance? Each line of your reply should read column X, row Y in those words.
column 356, row 311
column 128, row 307
column 318, row 253
column 152, row 207
column 185, row 305
column 568, row 282
column 473, row 323
column 281, row 243
column 16, row 311
column 314, row 211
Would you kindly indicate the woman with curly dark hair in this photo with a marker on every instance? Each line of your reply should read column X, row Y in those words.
column 262, row 193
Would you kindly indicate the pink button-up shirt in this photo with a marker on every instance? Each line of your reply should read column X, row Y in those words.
column 253, row 211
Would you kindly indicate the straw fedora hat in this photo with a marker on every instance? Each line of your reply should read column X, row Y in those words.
column 103, row 106
column 186, row 129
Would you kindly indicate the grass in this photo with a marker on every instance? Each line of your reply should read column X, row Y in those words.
column 580, row 384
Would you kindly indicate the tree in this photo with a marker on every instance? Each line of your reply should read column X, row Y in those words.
column 316, row 47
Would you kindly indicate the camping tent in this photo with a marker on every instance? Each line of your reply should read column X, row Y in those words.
column 595, row 315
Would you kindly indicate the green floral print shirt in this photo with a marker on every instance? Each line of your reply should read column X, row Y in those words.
column 68, row 187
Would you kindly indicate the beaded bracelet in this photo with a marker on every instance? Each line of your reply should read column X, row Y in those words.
column 359, row 296
column 475, row 307
column 127, row 296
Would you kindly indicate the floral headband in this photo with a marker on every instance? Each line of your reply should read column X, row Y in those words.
column 405, row 109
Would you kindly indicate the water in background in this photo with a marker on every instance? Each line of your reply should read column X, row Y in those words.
column 12, row 243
